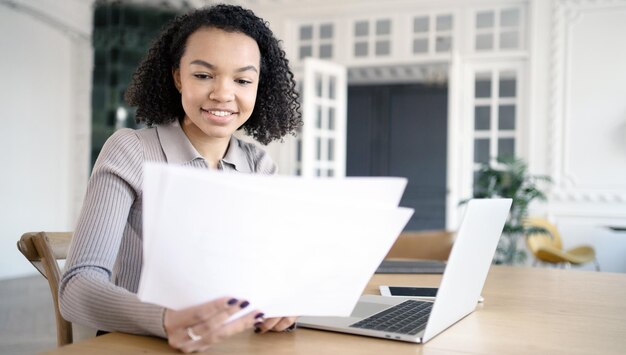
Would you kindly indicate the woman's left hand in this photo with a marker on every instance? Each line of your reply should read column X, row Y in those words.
column 277, row 325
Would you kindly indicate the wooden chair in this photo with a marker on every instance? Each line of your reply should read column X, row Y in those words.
column 43, row 249
column 429, row 245
column 548, row 248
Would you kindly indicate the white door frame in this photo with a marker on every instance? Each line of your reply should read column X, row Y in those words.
column 461, row 126
column 324, row 115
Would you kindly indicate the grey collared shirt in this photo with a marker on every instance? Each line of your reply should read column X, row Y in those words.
column 240, row 156
column 98, row 288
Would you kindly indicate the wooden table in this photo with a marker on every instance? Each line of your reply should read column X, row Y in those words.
column 526, row 311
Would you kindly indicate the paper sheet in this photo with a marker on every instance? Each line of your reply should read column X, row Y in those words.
column 290, row 246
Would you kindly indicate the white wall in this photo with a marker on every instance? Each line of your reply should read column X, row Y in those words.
column 578, row 133
column 44, row 66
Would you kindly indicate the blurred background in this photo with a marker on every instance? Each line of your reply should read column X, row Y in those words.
column 429, row 90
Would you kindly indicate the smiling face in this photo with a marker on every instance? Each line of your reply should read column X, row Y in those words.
column 218, row 77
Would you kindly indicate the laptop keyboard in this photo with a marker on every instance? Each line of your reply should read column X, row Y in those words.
column 408, row 317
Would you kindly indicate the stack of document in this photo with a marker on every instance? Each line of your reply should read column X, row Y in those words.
column 291, row 246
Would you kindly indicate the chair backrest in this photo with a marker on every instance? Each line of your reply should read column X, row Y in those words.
column 431, row 244
column 43, row 249
column 538, row 240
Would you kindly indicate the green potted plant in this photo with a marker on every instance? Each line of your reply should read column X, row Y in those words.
column 509, row 178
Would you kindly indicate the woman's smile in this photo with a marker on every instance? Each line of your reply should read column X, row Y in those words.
column 219, row 117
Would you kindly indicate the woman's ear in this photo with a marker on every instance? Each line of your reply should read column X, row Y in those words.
column 176, row 76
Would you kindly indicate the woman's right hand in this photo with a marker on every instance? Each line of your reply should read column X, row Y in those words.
column 197, row 328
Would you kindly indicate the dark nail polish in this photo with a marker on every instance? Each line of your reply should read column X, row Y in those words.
column 257, row 330
column 232, row 301
column 258, row 324
column 244, row 304
column 259, row 315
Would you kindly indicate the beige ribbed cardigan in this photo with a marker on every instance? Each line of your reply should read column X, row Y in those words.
column 105, row 258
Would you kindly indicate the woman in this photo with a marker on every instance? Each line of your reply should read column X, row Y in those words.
column 209, row 73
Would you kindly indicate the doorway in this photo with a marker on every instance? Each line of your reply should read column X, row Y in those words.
column 401, row 130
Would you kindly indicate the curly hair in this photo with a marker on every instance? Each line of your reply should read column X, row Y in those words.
column 152, row 90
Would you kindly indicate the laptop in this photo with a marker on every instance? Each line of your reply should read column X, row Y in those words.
column 417, row 321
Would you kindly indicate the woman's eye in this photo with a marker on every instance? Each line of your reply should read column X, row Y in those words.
column 243, row 82
column 202, row 76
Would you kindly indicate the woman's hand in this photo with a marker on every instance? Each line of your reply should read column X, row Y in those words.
column 197, row 328
column 276, row 325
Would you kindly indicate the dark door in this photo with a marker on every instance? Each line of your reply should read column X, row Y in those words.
column 401, row 130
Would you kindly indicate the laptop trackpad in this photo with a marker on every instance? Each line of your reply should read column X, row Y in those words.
column 366, row 309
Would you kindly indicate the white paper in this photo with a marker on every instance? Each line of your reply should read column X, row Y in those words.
column 290, row 246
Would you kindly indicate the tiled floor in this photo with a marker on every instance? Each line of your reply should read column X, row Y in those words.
column 27, row 323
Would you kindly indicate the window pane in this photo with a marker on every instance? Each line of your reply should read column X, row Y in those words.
column 420, row 24
column 360, row 49
column 484, row 19
column 482, row 86
column 444, row 43
column 99, row 96
column 331, row 118
column 318, row 148
column 506, row 117
column 383, row 27
column 318, row 172
column 481, row 150
column 331, row 149
column 484, row 41
column 331, row 86
column 361, row 29
column 482, row 118
column 420, row 45
column 506, row 147
column 509, row 40
column 507, row 84
column 305, row 51
column 331, row 173
column 444, row 22
column 509, row 18
column 318, row 117
column 306, row 32
column 326, row 31
column 326, row 51
column 383, row 47
column 318, row 85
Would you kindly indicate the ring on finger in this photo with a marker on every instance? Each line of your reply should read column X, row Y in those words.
column 193, row 336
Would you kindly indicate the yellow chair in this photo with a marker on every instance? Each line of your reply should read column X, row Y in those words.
column 43, row 250
column 548, row 248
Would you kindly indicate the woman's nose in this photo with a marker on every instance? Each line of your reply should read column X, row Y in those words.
column 222, row 91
